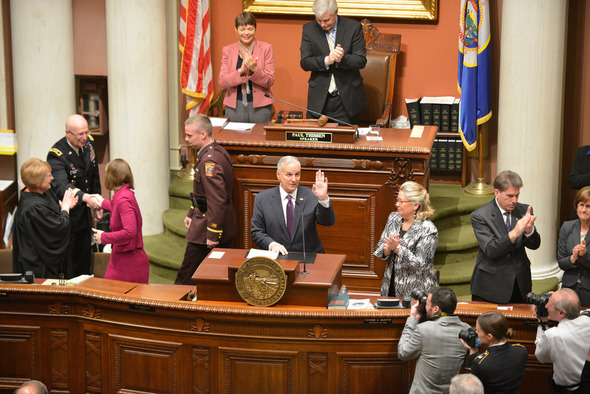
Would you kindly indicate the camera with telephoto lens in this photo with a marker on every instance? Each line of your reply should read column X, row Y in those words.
column 422, row 298
column 470, row 337
column 540, row 300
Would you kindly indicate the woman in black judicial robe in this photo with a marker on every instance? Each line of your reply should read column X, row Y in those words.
column 42, row 224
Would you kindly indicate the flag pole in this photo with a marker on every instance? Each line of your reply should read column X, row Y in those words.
column 480, row 187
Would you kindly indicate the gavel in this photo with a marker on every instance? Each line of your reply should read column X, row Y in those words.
column 321, row 121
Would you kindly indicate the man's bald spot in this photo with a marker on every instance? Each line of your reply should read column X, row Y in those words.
column 76, row 122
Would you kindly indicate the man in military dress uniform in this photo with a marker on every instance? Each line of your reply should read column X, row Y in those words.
column 74, row 166
column 211, row 220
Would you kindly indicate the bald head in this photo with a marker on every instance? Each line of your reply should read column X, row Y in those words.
column 32, row 387
column 77, row 131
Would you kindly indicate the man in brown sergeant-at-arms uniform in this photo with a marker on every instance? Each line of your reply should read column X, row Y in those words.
column 211, row 220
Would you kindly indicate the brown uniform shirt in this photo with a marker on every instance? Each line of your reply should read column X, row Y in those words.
column 214, row 179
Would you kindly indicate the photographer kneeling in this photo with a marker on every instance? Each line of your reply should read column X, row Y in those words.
column 501, row 367
column 567, row 345
column 434, row 342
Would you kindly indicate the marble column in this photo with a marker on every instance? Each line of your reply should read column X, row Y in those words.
column 43, row 72
column 138, row 106
column 532, row 65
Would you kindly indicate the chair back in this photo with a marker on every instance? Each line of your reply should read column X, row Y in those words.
column 6, row 261
column 100, row 263
column 379, row 74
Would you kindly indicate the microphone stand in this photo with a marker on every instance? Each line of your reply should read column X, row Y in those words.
column 305, row 271
column 316, row 113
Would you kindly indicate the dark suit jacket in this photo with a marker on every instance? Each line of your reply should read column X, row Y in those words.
column 500, row 368
column 569, row 236
column 268, row 221
column 71, row 172
column 580, row 173
column 314, row 48
column 500, row 261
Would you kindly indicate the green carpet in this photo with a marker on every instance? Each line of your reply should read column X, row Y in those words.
column 455, row 255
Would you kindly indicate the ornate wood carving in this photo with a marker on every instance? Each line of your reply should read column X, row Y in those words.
column 58, row 308
column 317, row 379
column 201, row 376
column 91, row 312
column 93, row 362
column 317, row 332
column 401, row 172
column 59, row 359
column 200, row 325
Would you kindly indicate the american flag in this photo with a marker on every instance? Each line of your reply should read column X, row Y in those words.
column 194, row 42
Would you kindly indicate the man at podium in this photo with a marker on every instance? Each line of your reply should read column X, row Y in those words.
column 285, row 217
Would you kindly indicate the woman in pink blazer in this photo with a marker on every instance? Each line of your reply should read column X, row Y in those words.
column 128, row 261
column 247, row 72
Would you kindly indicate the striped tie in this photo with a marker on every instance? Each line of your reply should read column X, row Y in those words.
column 331, row 40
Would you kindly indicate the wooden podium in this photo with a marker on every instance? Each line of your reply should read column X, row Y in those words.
column 310, row 132
column 364, row 177
column 215, row 278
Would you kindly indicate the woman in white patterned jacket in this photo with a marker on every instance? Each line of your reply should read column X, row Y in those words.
column 408, row 244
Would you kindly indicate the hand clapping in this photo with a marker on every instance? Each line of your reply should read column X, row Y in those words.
column 524, row 225
column 69, row 200
column 335, row 55
column 578, row 251
column 391, row 244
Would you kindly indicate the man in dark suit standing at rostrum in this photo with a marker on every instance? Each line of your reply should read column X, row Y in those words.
column 333, row 49
column 74, row 165
column 277, row 220
column 504, row 228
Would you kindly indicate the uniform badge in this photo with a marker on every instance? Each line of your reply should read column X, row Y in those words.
column 92, row 153
column 209, row 167
column 56, row 151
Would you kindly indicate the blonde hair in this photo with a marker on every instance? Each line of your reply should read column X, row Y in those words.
column 416, row 193
column 33, row 172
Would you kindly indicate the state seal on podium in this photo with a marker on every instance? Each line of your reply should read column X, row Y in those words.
column 261, row 281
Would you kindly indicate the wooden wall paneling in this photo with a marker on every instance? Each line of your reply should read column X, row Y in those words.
column 258, row 371
column 21, row 355
column 114, row 341
column 371, row 373
column 144, row 364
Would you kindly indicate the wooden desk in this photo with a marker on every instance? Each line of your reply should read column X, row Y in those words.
column 214, row 283
column 144, row 338
column 364, row 178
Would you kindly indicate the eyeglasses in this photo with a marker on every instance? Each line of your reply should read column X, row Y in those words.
column 581, row 205
column 81, row 134
column 400, row 202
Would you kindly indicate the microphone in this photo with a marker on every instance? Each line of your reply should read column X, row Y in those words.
column 313, row 112
column 305, row 271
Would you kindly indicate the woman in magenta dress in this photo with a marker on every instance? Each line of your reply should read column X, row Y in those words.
column 128, row 259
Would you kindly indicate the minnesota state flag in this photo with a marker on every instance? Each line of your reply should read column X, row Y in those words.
column 473, row 81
